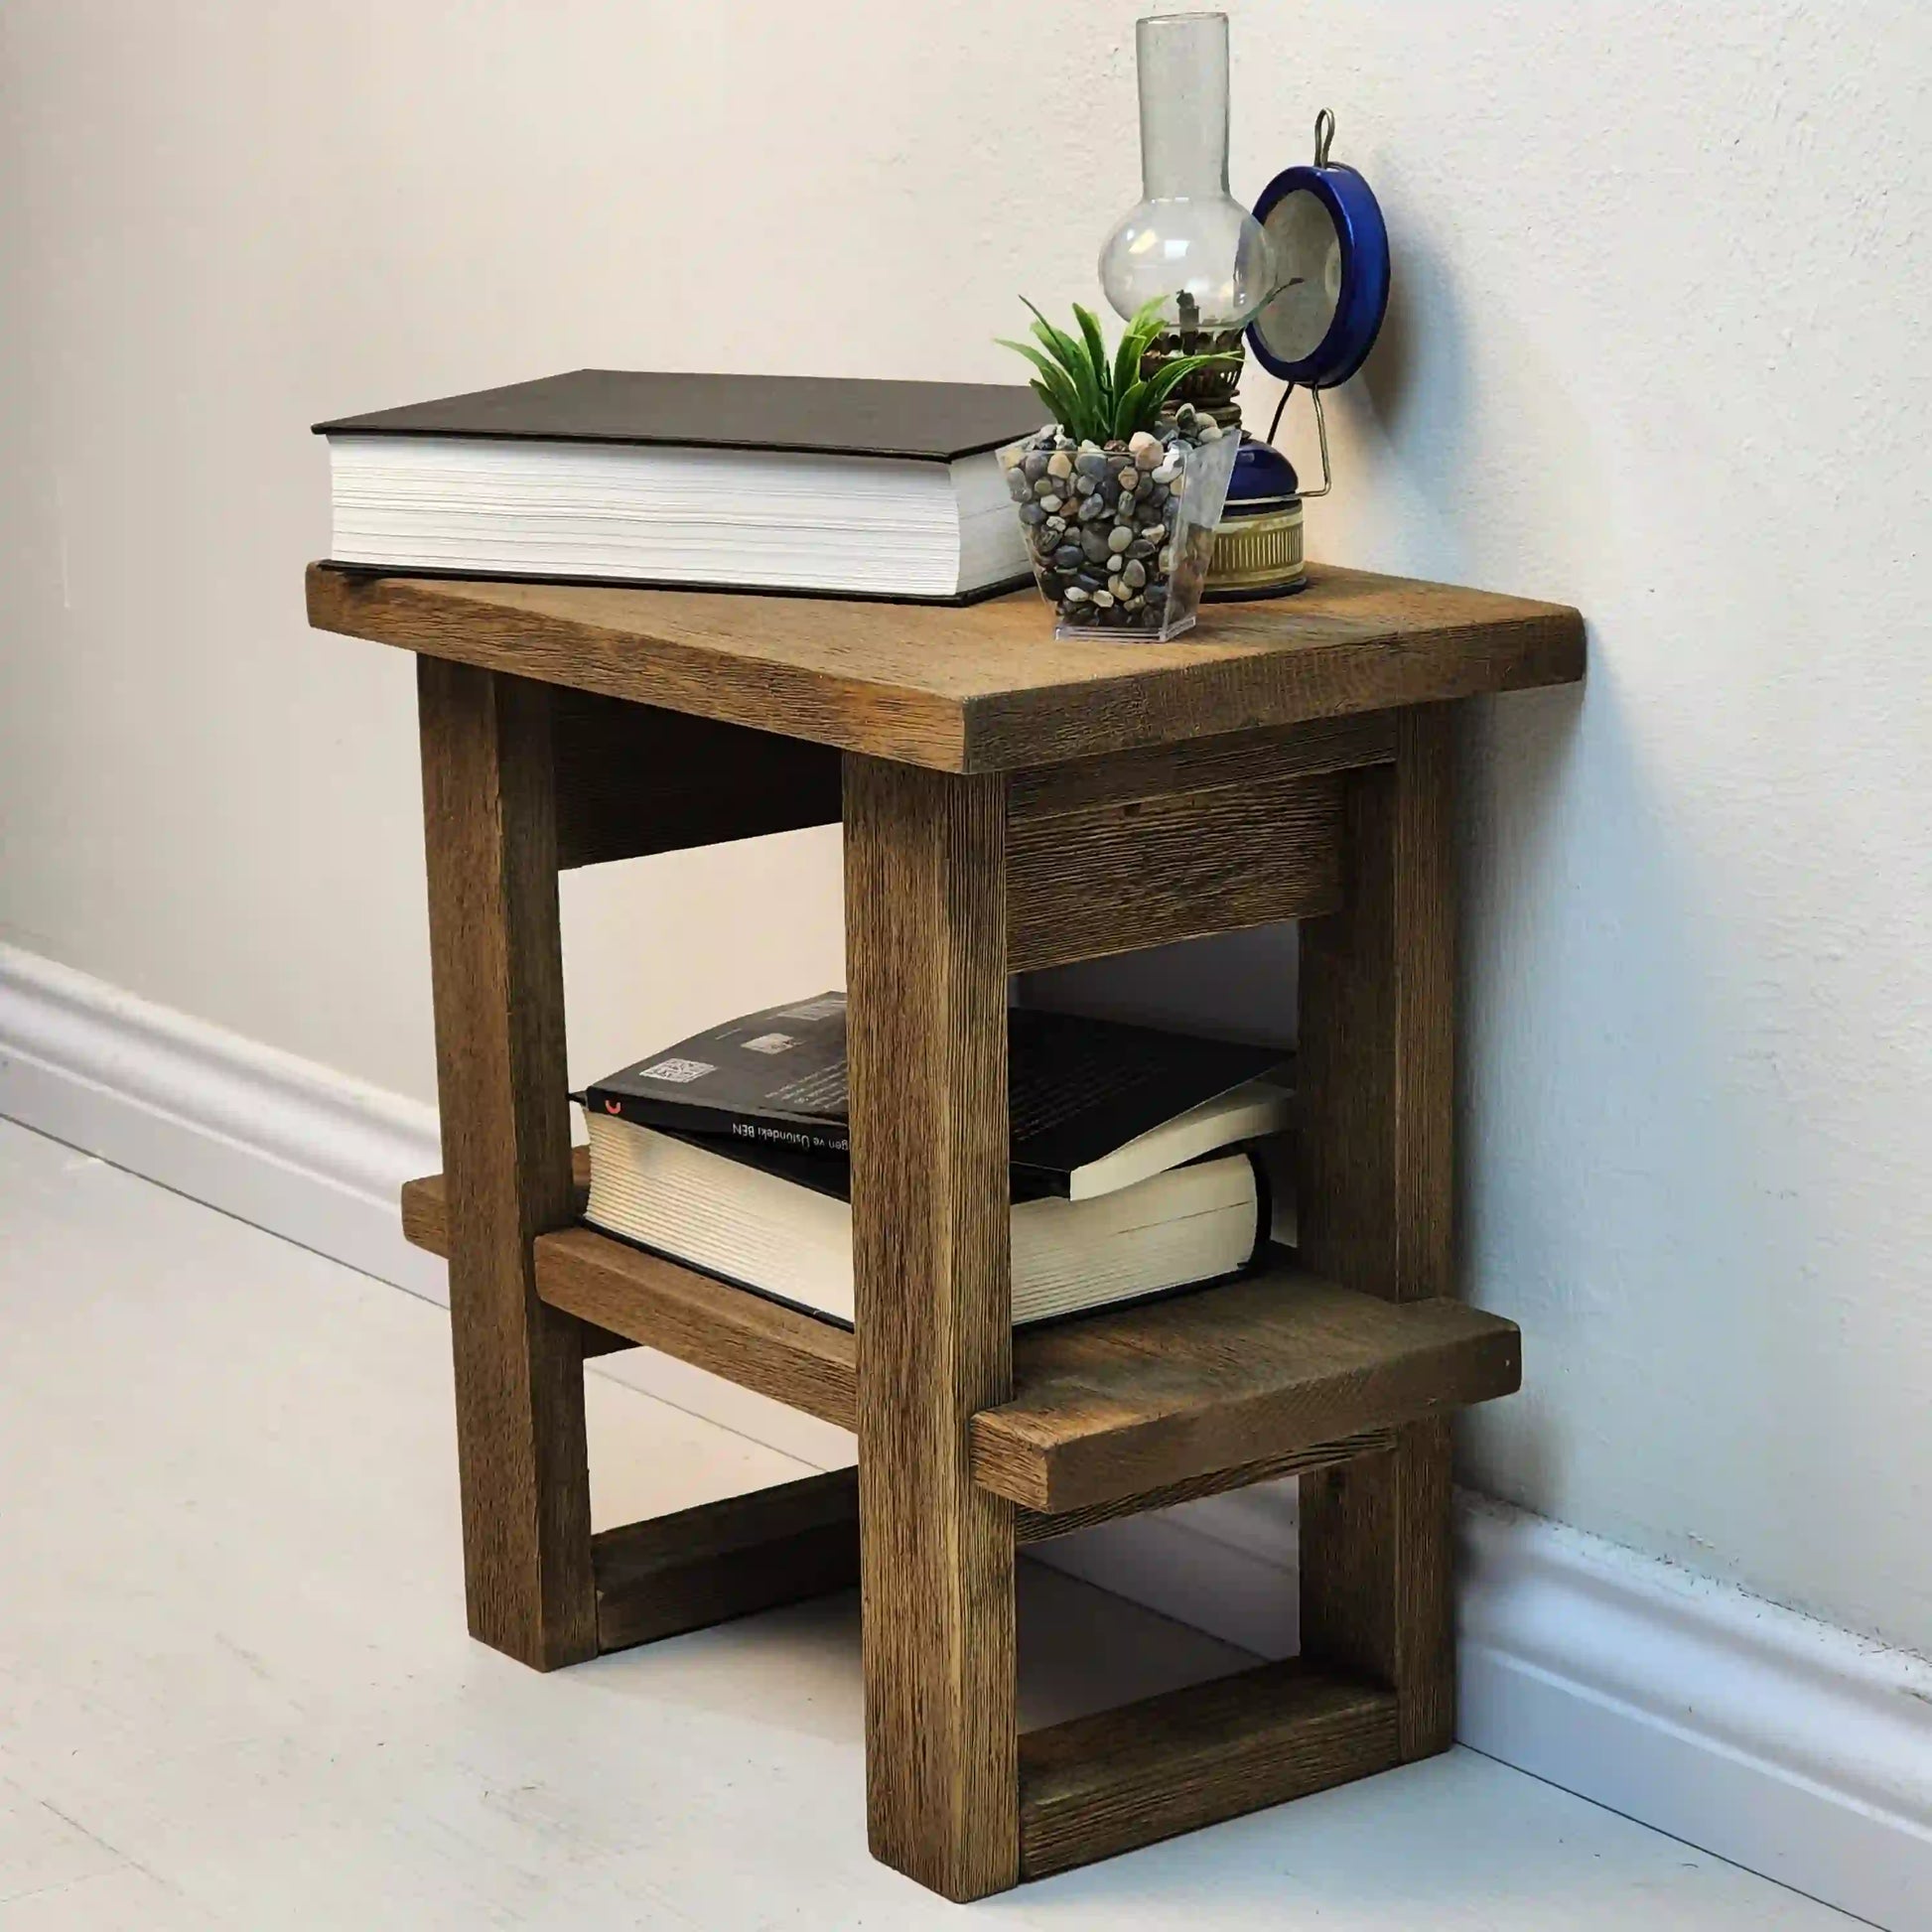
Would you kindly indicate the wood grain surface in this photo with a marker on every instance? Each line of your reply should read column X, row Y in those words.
column 1202, row 764
column 1125, row 1401
column 426, row 1224
column 731, row 1332
column 1106, row 1783
column 925, row 959
column 702, row 1566
column 1114, row 877
column 1037, row 1526
column 1376, row 1210
column 497, row 972
column 982, row 688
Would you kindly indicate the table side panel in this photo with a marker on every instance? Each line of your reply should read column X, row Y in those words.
column 633, row 779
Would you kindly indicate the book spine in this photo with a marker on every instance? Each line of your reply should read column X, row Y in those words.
column 807, row 1137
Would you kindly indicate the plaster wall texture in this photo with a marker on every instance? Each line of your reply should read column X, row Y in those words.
column 1658, row 348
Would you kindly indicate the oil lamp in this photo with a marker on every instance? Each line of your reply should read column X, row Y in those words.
column 1303, row 276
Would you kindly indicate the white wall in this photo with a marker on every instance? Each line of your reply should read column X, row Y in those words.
column 1659, row 349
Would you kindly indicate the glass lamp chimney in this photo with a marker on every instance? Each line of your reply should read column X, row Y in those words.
column 1188, row 239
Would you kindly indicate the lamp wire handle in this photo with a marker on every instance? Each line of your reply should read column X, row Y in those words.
column 1321, row 436
column 1325, row 136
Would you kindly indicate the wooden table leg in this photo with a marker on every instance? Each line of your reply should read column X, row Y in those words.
column 496, row 963
column 1376, row 1203
column 925, row 923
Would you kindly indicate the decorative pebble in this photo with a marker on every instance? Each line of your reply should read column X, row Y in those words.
column 1032, row 513
column 1059, row 464
column 1142, row 444
column 1093, row 543
column 1054, row 525
column 1105, row 598
column 1051, row 506
column 1132, row 572
column 1074, row 593
column 1164, row 562
column 1091, row 461
column 1095, row 505
column 1135, row 603
column 1118, row 538
column 1034, row 465
column 1130, row 477
column 1068, row 556
column 1154, row 532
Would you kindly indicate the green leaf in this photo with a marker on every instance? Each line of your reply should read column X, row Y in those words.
column 1140, row 331
column 1080, row 368
column 1053, row 388
column 1097, row 356
column 1073, row 355
column 1128, row 412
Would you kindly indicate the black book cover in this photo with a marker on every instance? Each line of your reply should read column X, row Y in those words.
column 1077, row 1088
column 936, row 422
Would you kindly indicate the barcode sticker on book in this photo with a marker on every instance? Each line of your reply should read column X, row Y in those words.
column 819, row 1009
column 770, row 1043
column 677, row 1072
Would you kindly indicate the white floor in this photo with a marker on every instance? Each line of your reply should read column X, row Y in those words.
column 236, row 1690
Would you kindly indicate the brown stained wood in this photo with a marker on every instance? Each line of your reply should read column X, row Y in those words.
column 497, row 972
column 1113, row 878
column 1202, row 765
column 1127, row 1401
column 426, row 1224
column 1037, row 1526
column 1376, row 1202
column 1149, row 1406
column 925, row 905
column 1104, row 1784
column 1376, row 1063
column 981, row 688
column 726, row 1558
column 426, row 1204
column 1375, row 1579
column 731, row 1332
column 632, row 780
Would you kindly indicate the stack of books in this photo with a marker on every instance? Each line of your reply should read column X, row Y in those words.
column 1142, row 1162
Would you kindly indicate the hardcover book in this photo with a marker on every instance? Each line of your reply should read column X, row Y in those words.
column 779, row 1222
column 829, row 484
column 1094, row 1106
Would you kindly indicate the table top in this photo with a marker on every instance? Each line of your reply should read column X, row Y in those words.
column 983, row 687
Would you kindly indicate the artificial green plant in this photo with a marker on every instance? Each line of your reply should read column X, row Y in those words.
column 1092, row 396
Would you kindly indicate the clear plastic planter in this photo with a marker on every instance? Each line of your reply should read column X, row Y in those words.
column 1118, row 561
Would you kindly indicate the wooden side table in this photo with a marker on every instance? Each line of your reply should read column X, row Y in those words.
column 1008, row 802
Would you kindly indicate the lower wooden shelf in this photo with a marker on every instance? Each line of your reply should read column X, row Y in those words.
column 1120, row 1778
column 1127, row 1408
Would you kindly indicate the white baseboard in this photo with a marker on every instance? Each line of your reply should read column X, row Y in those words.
column 291, row 1147
column 1789, row 1747
column 1781, row 1743
column 300, row 1149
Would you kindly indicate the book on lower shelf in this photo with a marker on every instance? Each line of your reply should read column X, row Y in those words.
column 779, row 1222
column 1094, row 1105
column 845, row 487
column 1142, row 1162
